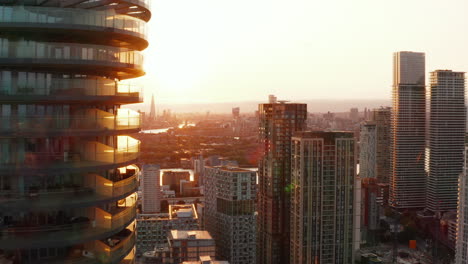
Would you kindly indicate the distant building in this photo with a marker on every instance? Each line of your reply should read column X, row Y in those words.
column 325, row 198
column 185, row 163
column 408, row 126
column 381, row 118
column 354, row 114
column 152, row 229
column 190, row 245
column 271, row 99
column 189, row 189
column 446, row 139
column 229, row 212
column 199, row 168
column 461, row 249
column 235, row 112
column 152, row 114
column 173, row 178
column 151, row 189
column 368, row 150
column 278, row 121
column 371, row 207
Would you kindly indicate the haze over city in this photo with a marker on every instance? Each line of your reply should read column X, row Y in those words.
column 216, row 51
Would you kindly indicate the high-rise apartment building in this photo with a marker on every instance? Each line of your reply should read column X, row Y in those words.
column 368, row 150
column 151, row 189
column 324, row 198
column 446, row 139
column 381, row 118
column 408, row 125
column 67, row 179
column 277, row 123
column 229, row 212
column 461, row 248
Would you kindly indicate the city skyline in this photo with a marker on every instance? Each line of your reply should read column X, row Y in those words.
column 298, row 45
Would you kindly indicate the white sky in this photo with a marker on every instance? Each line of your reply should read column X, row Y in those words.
column 222, row 50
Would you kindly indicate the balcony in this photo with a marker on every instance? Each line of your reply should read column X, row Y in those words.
column 73, row 90
column 95, row 190
column 88, row 122
column 136, row 8
column 97, row 224
column 107, row 27
column 84, row 156
column 119, row 63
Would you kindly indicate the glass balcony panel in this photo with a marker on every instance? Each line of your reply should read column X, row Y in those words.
column 93, row 188
column 13, row 83
column 95, row 223
column 85, row 154
column 68, row 16
column 69, row 51
column 92, row 119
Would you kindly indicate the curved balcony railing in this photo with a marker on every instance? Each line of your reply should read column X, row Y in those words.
column 75, row 17
column 61, row 53
column 95, row 189
column 94, row 121
column 59, row 87
column 98, row 224
column 87, row 154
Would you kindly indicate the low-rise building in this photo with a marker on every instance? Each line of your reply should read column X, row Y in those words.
column 152, row 229
column 206, row 260
column 190, row 245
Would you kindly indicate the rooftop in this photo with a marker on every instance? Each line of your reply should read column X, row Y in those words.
column 229, row 168
column 192, row 234
column 182, row 211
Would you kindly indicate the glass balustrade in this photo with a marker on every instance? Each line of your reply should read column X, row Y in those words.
column 60, row 52
column 39, row 84
column 86, row 154
column 76, row 17
column 81, row 228
column 93, row 120
column 94, row 188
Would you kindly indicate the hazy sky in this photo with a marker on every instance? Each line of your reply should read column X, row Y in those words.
column 221, row 50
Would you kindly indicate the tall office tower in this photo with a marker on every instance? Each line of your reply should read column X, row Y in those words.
column 151, row 189
column 230, row 212
column 324, row 213
column 381, row 118
column 407, row 139
column 277, row 123
column 67, row 179
column 368, row 150
column 461, row 248
column 446, row 139
column 152, row 115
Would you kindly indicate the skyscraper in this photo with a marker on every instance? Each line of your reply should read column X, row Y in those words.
column 381, row 118
column 277, row 123
column 368, row 150
column 324, row 199
column 151, row 189
column 461, row 248
column 230, row 212
column 407, row 175
column 446, row 139
column 152, row 115
column 66, row 161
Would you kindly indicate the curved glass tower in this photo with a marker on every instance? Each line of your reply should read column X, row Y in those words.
column 67, row 173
